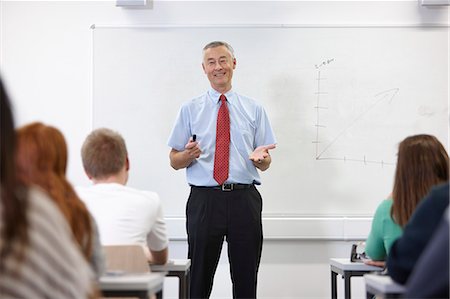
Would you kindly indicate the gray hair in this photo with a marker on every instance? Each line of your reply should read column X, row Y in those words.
column 216, row 44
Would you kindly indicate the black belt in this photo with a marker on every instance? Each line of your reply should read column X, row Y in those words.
column 227, row 187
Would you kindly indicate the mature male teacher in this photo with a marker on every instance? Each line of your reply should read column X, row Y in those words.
column 221, row 138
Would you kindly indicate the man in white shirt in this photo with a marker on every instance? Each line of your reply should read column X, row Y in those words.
column 124, row 215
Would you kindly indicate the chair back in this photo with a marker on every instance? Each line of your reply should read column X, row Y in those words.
column 128, row 258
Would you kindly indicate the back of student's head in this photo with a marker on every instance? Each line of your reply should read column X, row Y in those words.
column 42, row 160
column 104, row 153
column 7, row 143
column 422, row 163
column 13, row 220
column 42, row 152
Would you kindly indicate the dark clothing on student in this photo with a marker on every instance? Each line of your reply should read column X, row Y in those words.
column 212, row 215
column 430, row 278
column 407, row 249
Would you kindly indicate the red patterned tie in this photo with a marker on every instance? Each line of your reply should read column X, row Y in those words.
column 222, row 155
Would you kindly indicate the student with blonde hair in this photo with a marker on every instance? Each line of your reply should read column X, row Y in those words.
column 421, row 164
column 133, row 216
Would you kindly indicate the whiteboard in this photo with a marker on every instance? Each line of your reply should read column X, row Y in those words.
column 339, row 99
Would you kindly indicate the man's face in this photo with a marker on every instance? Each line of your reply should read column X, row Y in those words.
column 218, row 64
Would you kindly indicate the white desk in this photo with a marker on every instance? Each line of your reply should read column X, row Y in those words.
column 136, row 285
column 382, row 285
column 180, row 269
column 347, row 269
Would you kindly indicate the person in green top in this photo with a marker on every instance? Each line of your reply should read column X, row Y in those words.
column 422, row 163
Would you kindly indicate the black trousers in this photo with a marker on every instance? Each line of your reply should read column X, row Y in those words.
column 213, row 215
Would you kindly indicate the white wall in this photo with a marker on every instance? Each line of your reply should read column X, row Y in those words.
column 46, row 58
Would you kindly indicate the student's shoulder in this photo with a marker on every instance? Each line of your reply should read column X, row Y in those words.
column 151, row 195
column 144, row 195
column 440, row 192
column 39, row 201
column 388, row 202
column 385, row 205
column 89, row 193
column 81, row 189
column 437, row 199
column 44, row 211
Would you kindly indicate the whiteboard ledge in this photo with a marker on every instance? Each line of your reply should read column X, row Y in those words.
column 339, row 228
column 131, row 3
column 435, row 2
column 150, row 26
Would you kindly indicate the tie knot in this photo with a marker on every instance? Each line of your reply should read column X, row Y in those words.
column 223, row 98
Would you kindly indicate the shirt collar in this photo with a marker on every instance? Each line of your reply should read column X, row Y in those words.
column 215, row 95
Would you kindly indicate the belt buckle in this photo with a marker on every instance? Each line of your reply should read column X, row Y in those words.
column 227, row 187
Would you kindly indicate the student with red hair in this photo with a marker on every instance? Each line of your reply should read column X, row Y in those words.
column 42, row 160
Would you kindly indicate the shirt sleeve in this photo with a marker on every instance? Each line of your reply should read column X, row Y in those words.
column 375, row 248
column 181, row 130
column 264, row 133
column 157, row 237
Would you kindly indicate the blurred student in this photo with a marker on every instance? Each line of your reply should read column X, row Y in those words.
column 422, row 163
column 423, row 282
column 124, row 215
column 38, row 258
column 42, row 160
column 406, row 251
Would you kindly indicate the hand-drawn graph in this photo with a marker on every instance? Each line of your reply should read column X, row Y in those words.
column 323, row 146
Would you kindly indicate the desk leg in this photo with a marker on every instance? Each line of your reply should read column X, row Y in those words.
column 184, row 281
column 182, row 290
column 188, row 285
column 159, row 295
column 347, row 287
column 333, row 285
